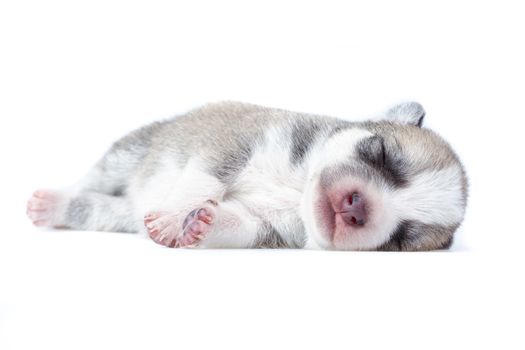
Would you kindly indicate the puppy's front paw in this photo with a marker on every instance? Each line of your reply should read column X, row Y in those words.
column 165, row 228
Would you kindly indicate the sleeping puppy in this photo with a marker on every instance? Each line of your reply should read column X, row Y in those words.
column 235, row 175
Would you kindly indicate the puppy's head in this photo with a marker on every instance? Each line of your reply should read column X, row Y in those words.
column 386, row 185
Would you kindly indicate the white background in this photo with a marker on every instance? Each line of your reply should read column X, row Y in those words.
column 76, row 75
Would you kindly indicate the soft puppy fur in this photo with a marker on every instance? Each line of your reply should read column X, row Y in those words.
column 236, row 175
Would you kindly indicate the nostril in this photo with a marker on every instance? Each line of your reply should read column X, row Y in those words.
column 353, row 210
column 354, row 221
column 355, row 198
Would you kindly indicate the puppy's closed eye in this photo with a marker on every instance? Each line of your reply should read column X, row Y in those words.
column 385, row 156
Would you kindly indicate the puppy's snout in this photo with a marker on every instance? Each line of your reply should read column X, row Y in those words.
column 353, row 209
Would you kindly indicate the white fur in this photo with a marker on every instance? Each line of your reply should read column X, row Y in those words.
column 338, row 148
column 174, row 189
column 433, row 197
column 270, row 187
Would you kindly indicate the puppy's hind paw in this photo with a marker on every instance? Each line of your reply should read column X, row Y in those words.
column 46, row 208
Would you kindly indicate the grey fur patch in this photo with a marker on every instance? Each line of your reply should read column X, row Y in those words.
column 224, row 135
column 119, row 192
column 233, row 162
column 414, row 235
column 78, row 212
column 304, row 134
column 268, row 237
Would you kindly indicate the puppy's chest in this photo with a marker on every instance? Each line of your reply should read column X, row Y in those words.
column 272, row 188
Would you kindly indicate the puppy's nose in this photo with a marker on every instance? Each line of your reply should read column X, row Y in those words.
column 353, row 210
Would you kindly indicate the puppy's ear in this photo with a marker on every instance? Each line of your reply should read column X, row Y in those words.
column 411, row 113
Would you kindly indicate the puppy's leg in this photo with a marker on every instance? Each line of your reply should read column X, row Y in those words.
column 194, row 210
column 100, row 201
column 211, row 224
column 83, row 211
column 97, row 202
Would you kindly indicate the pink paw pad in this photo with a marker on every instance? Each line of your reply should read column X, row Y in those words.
column 44, row 207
